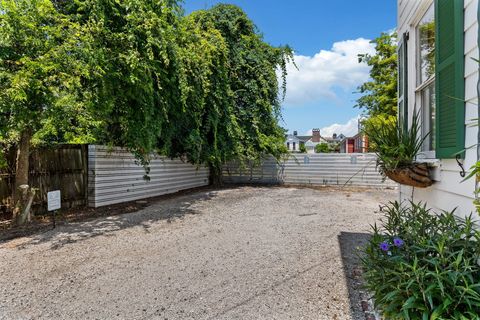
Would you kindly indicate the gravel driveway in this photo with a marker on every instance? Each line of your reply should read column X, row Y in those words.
column 238, row 253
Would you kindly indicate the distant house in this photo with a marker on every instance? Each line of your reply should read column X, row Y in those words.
column 335, row 138
column 356, row 144
column 334, row 142
column 294, row 141
column 361, row 143
column 347, row 145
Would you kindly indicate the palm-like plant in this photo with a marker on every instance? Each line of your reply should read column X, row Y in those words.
column 397, row 148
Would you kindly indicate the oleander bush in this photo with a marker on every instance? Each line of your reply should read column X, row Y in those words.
column 423, row 265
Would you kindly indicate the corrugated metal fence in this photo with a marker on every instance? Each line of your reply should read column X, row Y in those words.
column 268, row 172
column 357, row 169
column 114, row 176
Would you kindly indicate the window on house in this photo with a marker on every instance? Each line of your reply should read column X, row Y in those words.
column 288, row 145
column 426, row 77
column 428, row 116
column 294, row 146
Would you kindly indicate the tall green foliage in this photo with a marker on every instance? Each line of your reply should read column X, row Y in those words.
column 379, row 94
column 423, row 265
column 139, row 74
column 203, row 87
column 253, row 81
column 230, row 91
column 136, row 52
column 42, row 68
column 200, row 126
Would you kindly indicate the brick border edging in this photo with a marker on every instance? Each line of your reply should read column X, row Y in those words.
column 366, row 301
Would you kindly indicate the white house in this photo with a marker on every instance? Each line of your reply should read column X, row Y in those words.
column 438, row 78
column 294, row 141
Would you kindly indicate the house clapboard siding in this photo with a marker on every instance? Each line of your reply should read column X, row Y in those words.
column 449, row 190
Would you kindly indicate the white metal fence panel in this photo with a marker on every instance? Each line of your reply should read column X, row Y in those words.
column 114, row 176
column 358, row 169
column 267, row 172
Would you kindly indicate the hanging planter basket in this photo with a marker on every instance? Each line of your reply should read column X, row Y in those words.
column 416, row 175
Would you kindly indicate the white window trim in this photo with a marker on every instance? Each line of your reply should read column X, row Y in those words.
column 425, row 84
column 423, row 8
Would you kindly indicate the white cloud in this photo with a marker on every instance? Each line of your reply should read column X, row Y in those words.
column 319, row 76
column 348, row 129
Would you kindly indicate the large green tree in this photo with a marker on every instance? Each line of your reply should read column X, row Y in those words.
column 252, row 78
column 379, row 95
column 202, row 87
column 42, row 66
column 140, row 75
column 135, row 62
column 201, row 127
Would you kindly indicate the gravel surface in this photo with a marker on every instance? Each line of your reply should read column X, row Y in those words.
column 238, row 253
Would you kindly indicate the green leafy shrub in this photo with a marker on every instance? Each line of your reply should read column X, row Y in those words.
column 303, row 149
column 423, row 265
column 322, row 148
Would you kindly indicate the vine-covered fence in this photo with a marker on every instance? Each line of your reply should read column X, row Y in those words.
column 97, row 175
column 321, row 169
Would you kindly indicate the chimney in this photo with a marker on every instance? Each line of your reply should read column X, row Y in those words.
column 295, row 133
column 315, row 135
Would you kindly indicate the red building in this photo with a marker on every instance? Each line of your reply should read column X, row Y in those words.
column 355, row 144
column 347, row 145
column 361, row 143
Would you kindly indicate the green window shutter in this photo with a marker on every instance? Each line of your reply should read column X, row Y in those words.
column 449, row 78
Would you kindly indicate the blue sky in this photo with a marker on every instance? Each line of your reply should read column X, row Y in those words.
column 326, row 36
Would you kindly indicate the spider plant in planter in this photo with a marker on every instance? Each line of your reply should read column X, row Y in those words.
column 396, row 149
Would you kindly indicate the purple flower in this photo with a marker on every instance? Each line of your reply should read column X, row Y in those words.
column 397, row 242
column 384, row 246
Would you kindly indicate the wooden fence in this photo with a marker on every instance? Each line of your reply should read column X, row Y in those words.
column 63, row 168
column 97, row 175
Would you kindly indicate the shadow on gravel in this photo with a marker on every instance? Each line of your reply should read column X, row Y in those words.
column 350, row 243
column 169, row 210
column 264, row 291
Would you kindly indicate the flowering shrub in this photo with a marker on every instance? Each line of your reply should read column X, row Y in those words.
column 423, row 265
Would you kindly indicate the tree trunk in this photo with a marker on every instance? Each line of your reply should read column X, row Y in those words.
column 216, row 176
column 21, row 191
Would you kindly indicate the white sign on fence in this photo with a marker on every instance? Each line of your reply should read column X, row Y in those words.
column 54, row 200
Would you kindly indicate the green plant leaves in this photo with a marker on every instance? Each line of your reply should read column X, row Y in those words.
column 396, row 147
column 434, row 275
column 141, row 75
column 379, row 95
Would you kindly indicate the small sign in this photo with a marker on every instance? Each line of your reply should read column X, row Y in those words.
column 306, row 160
column 54, row 200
